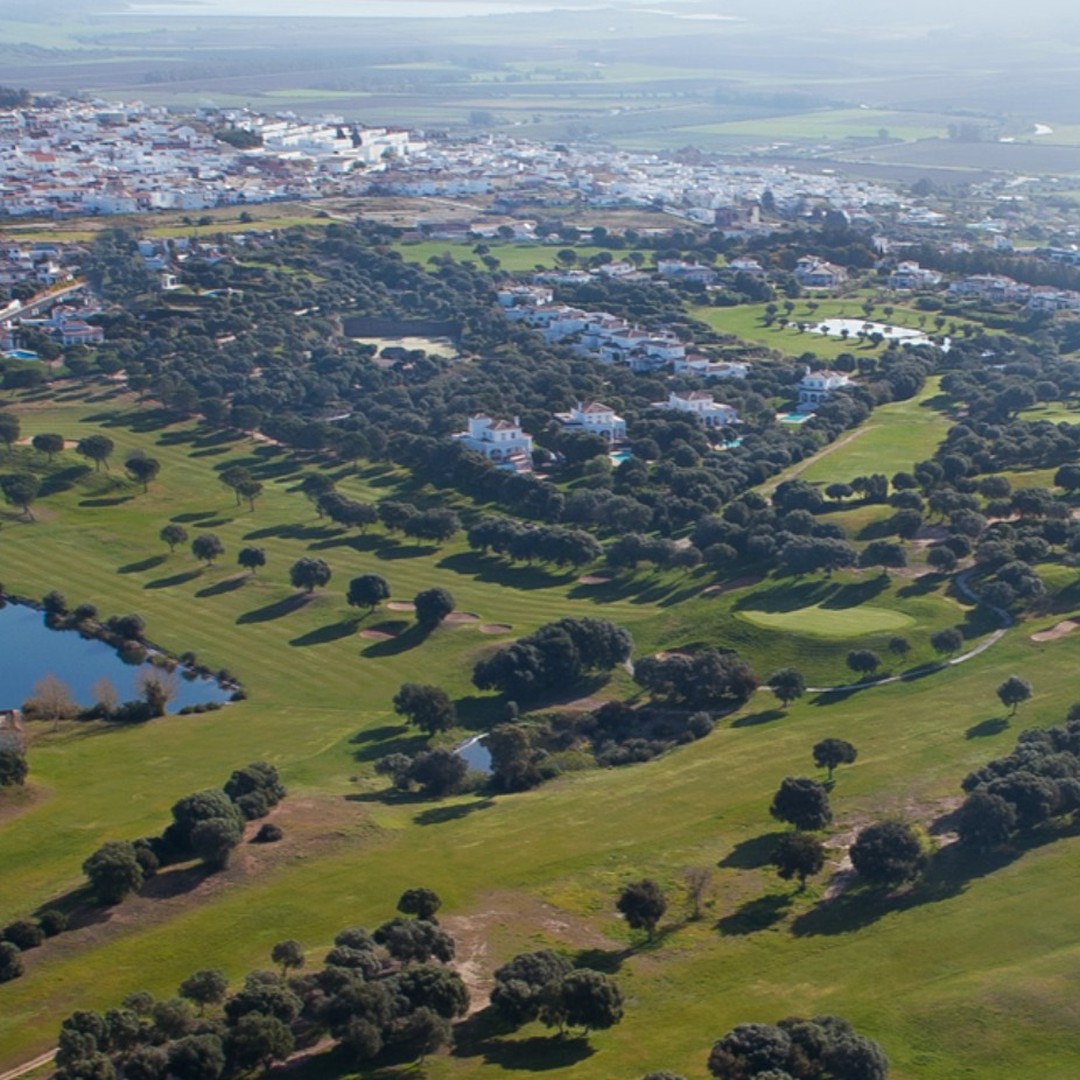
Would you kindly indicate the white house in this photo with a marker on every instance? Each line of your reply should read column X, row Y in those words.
column 814, row 273
column 712, row 414
column 596, row 419
column 818, row 386
column 705, row 368
column 909, row 275
column 502, row 442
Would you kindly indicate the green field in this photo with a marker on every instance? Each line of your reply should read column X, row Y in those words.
column 940, row 977
column 823, row 622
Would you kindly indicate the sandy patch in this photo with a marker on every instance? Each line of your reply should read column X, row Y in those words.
column 457, row 618
column 512, row 923
column 495, row 628
column 731, row 586
column 377, row 635
column 1059, row 631
column 594, row 579
column 671, row 654
column 400, row 605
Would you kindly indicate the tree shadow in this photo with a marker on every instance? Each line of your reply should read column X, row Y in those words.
column 227, row 586
column 439, row 815
column 609, row 961
column 210, row 451
column 141, row 565
column 375, row 743
column 361, row 542
column 495, row 571
column 995, row 725
column 754, row 719
column 213, row 523
column 325, row 634
column 394, row 552
column 537, row 1054
column 167, row 884
column 108, row 500
column 193, row 516
column 751, row 854
column 755, row 915
column 176, row 579
column 277, row 610
column 295, row 532
column 402, row 640
column 921, row 586
column 63, row 480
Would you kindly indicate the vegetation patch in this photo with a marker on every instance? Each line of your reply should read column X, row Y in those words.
column 831, row 622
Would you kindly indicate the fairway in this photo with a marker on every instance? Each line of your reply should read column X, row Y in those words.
column 532, row 870
column 825, row 622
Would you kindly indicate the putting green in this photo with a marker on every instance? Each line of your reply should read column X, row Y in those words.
column 832, row 622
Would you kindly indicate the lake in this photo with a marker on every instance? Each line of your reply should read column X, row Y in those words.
column 29, row 650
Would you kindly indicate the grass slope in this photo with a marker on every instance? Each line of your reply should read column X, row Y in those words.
column 941, row 977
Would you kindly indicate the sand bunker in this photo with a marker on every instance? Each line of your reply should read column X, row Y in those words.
column 594, row 579
column 457, row 618
column 729, row 586
column 1059, row 631
column 400, row 605
column 495, row 628
column 377, row 635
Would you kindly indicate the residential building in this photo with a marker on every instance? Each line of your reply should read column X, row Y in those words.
column 711, row 413
column 502, row 442
column 595, row 419
column 818, row 386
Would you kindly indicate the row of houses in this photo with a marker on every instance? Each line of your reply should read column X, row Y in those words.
column 507, row 446
column 999, row 289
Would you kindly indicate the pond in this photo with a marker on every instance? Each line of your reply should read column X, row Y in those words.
column 29, row 650
column 476, row 754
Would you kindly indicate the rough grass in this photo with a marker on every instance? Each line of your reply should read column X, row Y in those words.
column 941, row 976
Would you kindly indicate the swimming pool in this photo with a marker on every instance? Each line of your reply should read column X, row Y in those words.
column 619, row 456
column 21, row 354
column 794, row 417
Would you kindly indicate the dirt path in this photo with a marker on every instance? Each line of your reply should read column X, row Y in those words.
column 29, row 1066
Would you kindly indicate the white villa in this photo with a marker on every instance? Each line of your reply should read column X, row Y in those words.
column 711, row 369
column 711, row 413
column 596, row 419
column 814, row 273
column 502, row 442
column 818, row 386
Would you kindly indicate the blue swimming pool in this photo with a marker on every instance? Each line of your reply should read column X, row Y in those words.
column 21, row 354
column 619, row 456
column 795, row 417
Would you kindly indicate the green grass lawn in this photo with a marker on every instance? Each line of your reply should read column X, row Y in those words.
column 822, row 622
column 967, row 976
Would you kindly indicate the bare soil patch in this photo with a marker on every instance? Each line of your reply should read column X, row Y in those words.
column 1065, row 627
column 495, row 628
column 730, row 586
column 400, row 605
column 507, row 924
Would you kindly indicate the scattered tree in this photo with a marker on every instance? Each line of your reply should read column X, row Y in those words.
column 798, row 855
column 21, row 489
column 251, row 558
column 98, row 448
column 367, row 590
column 888, row 853
column 428, row 707
column 863, row 661
column 803, row 803
column 288, row 955
column 48, row 444
column 207, row 547
column 308, row 573
column 947, row 641
column 13, row 767
column 832, row 752
column 787, row 684
column 642, row 904
column 206, row 987
column 142, row 468
column 172, row 535
column 114, row 871
column 1014, row 691
column 422, row 903
column 697, row 881
column 432, row 606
